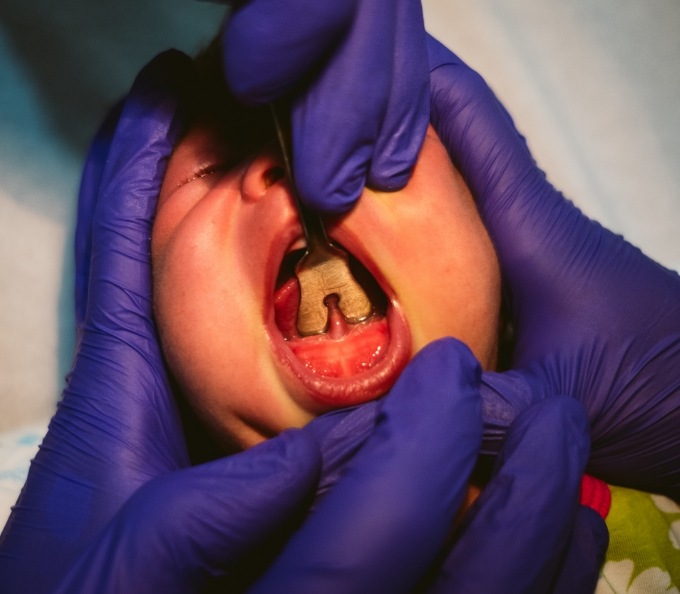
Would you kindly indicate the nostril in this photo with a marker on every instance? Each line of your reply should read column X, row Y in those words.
column 261, row 176
column 272, row 175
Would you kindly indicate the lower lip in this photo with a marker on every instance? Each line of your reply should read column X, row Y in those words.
column 384, row 348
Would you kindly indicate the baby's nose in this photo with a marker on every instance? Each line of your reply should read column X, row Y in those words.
column 264, row 171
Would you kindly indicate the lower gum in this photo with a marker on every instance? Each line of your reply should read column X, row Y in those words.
column 357, row 352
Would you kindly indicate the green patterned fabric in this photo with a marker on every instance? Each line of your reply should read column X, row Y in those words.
column 644, row 545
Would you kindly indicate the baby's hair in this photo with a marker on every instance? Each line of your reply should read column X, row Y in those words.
column 246, row 127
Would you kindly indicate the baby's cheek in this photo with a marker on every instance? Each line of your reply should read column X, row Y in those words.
column 434, row 252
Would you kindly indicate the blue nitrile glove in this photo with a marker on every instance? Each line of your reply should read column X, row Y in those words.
column 379, row 528
column 525, row 533
column 358, row 70
column 111, row 500
column 389, row 515
column 117, row 428
column 594, row 318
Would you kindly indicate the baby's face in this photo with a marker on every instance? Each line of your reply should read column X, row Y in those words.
column 225, row 240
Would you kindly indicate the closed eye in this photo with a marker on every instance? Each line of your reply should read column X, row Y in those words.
column 206, row 169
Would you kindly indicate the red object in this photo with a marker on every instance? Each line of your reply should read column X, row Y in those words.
column 595, row 494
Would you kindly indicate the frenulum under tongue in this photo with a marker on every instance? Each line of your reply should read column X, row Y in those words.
column 347, row 350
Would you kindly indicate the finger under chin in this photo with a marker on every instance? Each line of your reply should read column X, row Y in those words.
column 522, row 521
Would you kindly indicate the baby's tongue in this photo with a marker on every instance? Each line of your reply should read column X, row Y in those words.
column 344, row 351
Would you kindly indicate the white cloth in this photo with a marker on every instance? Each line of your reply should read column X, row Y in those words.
column 17, row 448
column 594, row 85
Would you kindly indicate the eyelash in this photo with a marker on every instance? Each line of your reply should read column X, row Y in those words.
column 205, row 170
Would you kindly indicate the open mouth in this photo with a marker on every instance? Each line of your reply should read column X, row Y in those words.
column 349, row 363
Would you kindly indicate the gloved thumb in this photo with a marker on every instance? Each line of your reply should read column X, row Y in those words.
column 185, row 527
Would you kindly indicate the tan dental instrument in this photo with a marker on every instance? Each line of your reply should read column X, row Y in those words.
column 324, row 269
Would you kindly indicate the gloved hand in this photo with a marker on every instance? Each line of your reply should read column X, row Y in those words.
column 117, row 431
column 594, row 318
column 358, row 73
column 525, row 533
column 401, row 490
column 111, row 502
column 406, row 483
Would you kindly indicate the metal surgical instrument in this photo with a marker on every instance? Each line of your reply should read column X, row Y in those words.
column 324, row 268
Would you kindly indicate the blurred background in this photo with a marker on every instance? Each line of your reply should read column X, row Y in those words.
column 62, row 66
column 593, row 84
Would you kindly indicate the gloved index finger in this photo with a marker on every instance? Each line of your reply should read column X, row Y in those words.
column 359, row 72
column 408, row 108
column 118, row 393
column 337, row 121
column 540, row 237
column 270, row 45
